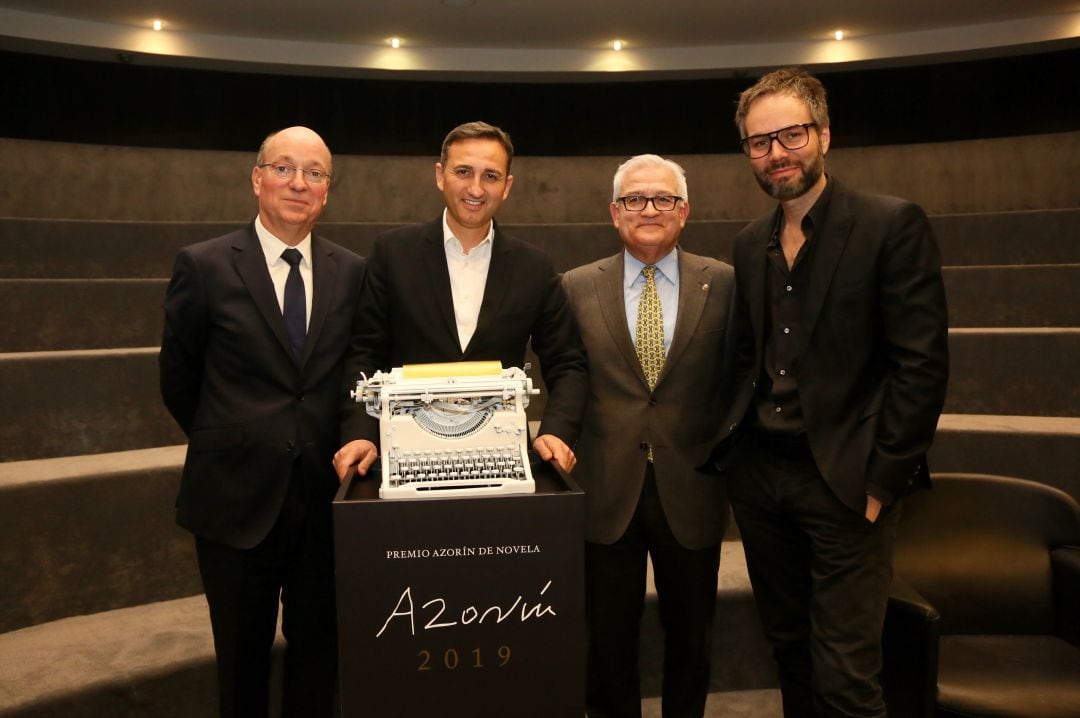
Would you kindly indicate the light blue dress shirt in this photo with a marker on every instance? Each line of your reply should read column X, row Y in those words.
column 667, row 287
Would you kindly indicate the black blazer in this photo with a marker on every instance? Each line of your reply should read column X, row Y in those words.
column 407, row 317
column 230, row 380
column 874, row 366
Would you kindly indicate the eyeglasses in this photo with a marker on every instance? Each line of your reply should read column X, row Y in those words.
column 284, row 171
column 637, row 202
column 790, row 138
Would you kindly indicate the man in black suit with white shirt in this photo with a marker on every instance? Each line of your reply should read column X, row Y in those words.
column 256, row 327
column 460, row 289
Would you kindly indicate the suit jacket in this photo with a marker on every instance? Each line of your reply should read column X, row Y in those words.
column 874, row 365
column 680, row 418
column 230, row 380
column 407, row 317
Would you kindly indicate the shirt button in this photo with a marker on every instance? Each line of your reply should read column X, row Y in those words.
column 783, row 372
column 787, row 288
column 778, row 410
column 787, row 330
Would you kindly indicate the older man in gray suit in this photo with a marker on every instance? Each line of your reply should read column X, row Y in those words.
column 656, row 323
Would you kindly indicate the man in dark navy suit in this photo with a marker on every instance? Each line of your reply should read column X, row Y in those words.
column 460, row 289
column 256, row 327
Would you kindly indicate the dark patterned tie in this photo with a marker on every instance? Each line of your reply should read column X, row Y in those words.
column 650, row 333
column 650, row 329
column 295, row 311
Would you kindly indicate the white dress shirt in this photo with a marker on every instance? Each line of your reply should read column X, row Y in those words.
column 279, row 269
column 468, row 278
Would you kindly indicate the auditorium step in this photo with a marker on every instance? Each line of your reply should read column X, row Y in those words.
column 61, row 314
column 150, row 661
column 1040, row 448
column 69, row 403
column 67, row 249
column 86, row 534
column 1013, row 371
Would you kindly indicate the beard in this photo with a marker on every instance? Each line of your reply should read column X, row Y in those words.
column 796, row 186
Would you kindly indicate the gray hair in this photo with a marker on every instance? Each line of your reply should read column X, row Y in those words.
column 643, row 161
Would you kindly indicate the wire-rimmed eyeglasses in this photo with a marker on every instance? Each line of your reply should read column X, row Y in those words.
column 286, row 171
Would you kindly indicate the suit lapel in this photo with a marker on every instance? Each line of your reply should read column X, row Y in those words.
column 693, row 291
column 752, row 275
column 499, row 278
column 438, row 281
column 250, row 264
column 833, row 238
column 608, row 285
column 324, row 269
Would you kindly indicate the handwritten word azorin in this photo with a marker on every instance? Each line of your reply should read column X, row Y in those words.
column 434, row 609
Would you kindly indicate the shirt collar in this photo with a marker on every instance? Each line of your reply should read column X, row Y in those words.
column 449, row 240
column 667, row 268
column 272, row 247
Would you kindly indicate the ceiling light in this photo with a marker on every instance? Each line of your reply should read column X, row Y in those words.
column 157, row 25
column 395, row 42
column 617, row 45
column 839, row 34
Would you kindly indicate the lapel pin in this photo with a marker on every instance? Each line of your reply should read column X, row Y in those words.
column 705, row 287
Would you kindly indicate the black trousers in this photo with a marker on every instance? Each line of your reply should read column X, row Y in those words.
column 293, row 564
column 821, row 576
column 685, row 580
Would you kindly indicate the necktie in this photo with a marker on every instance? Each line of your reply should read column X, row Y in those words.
column 650, row 333
column 295, row 309
column 650, row 329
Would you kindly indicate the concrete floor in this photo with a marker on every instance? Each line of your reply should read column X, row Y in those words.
column 731, row 704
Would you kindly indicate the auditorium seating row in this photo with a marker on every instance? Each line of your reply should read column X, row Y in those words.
column 100, row 612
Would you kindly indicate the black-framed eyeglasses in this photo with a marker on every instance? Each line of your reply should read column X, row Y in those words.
column 790, row 138
column 638, row 202
column 286, row 171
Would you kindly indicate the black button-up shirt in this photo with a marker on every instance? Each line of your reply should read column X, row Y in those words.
column 776, row 403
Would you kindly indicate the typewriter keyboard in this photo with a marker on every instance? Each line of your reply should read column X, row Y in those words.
column 464, row 466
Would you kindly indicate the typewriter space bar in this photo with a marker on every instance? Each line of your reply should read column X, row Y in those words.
column 492, row 487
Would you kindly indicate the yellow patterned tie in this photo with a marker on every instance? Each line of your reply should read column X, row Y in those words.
column 650, row 332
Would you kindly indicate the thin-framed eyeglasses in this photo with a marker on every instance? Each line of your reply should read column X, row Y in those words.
column 638, row 202
column 790, row 138
column 286, row 171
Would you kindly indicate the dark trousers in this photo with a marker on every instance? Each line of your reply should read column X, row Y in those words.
column 614, row 598
column 820, row 574
column 294, row 563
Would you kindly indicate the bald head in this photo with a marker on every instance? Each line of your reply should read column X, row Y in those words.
column 298, row 133
column 290, row 199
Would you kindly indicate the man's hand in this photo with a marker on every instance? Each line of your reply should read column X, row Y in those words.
column 552, row 448
column 873, row 508
column 355, row 457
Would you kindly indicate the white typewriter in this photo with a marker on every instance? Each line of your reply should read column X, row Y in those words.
column 456, row 429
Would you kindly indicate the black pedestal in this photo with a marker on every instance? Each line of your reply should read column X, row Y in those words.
column 462, row 606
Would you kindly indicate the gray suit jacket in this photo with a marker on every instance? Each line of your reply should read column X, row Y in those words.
column 681, row 419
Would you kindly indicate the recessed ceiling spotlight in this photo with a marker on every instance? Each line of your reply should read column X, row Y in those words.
column 157, row 25
column 617, row 45
column 395, row 42
column 839, row 34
